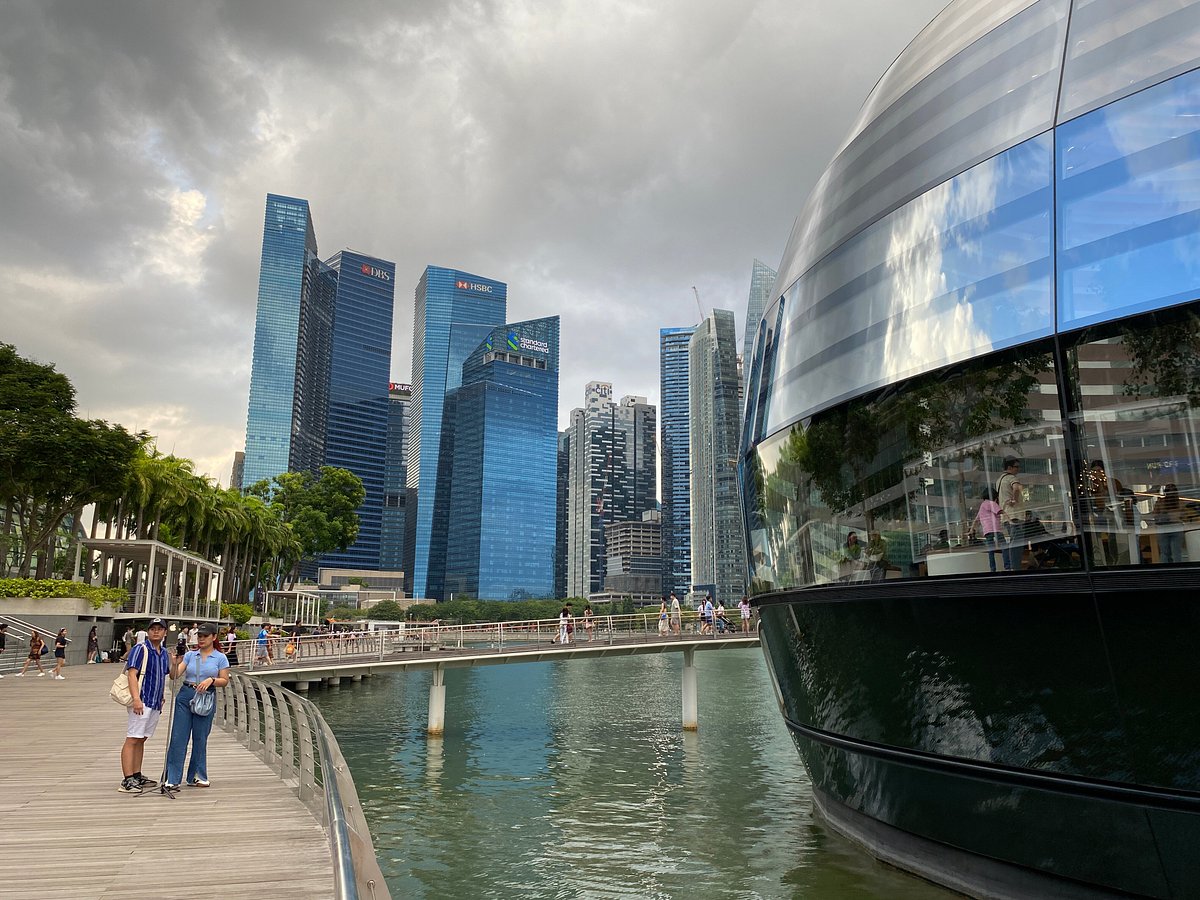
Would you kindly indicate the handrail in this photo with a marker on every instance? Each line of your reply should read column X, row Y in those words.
column 287, row 731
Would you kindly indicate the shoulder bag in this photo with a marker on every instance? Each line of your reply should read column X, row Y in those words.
column 203, row 703
column 119, row 691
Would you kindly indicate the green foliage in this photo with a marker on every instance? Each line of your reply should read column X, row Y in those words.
column 388, row 610
column 355, row 579
column 240, row 613
column 345, row 612
column 42, row 588
column 468, row 612
column 321, row 510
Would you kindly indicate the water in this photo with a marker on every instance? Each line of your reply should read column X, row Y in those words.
column 574, row 779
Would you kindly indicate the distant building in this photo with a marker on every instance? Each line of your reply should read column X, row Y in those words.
column 289, row 371
column 453, row 313
column 501, row 441
column 634, row 558
column 762, row 277
column 612, row 475
column 560, row 514
column 356, row 433
column 718, row 536
column 238, row 471
column 395, row 494
column 676, row 466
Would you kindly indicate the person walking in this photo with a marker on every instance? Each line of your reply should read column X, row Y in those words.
column 589, row 624
column 60, row 654
column 93, row 647
column 261, row 653
column 707, row 615
column 663, row 627
column 3, row 640
column 744, row 609
column 676, row 615
column 987, row 525
column 564, row 620
column 1011, row 497
column 36, row 646
column 147, row 668
column 229, row 646
column 127, row 643
column 1168, row 514
column 202, row 670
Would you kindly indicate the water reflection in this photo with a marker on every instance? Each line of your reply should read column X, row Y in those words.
column 575, row 780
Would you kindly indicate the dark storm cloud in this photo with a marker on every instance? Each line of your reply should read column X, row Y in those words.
column 601, row 158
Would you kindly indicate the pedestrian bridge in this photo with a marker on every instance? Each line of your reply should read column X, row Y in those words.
column 328, row 659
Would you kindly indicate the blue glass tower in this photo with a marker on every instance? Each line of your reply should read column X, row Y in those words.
column 676, row 468
column 454, row 312
column 762, row 277
column 356, row 433
column 289, row 376
column 391, row 539
column 504, row 461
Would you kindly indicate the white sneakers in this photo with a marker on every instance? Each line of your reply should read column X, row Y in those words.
column 59, row 677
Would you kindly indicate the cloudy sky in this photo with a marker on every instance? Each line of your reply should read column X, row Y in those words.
column 600, row 157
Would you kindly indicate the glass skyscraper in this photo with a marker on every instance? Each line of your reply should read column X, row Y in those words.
column 762, row 277
column 676, row 466
column 718, row 536
column 454, row 312
column 503, row 459
column 289, row 376
column 391, row 536
column 356, row 433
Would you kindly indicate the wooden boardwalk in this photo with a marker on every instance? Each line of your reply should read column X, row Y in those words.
column 66, row 832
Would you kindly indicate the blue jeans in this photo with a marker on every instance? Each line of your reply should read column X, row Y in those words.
column 185, row 727
column 1014, row 550
column 992, row 538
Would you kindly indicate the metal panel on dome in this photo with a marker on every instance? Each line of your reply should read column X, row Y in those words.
column 960, row 271
column 993, row 94
column 1116, row 47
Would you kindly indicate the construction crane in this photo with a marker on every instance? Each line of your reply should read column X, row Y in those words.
column 698, row 306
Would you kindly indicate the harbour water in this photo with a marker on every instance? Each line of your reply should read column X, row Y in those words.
column 574, row 779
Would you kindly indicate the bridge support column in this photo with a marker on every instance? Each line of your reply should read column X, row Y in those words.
column 356, row 678
column 300, row 686
column 691, row 720
column 333, row 681
column 437, row 701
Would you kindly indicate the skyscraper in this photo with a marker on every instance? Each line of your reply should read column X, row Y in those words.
column 502, row 481
column 676, row 466
column 560, row 532
column 289, row 374
column 454, row 312
column 718, row 536
column 612, row 477
column 391, row 535
column 762, row 277
column 356, row 433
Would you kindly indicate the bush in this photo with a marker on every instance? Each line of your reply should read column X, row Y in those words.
column 389, row 610
column 241, row 613
column 44, row 588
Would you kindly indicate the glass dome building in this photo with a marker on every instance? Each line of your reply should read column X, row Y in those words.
column 971, row 459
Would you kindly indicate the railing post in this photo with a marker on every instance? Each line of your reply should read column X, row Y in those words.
column 268, row 750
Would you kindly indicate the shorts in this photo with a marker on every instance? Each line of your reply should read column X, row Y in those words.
column 142, row 726
column 60, row 654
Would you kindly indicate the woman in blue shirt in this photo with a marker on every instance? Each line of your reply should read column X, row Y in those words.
column 202, row 670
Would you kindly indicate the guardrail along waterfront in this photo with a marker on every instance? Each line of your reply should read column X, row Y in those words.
column 289, row 734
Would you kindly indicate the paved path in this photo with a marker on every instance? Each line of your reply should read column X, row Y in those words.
column 66, row 832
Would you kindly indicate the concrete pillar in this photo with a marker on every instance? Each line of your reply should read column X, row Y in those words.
column 333, row 681
column 437, row 701
column 300, row 686
column 356, row 678
column 691, row 720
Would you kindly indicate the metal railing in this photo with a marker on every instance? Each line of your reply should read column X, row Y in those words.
column 382, row 642
column 289, row 734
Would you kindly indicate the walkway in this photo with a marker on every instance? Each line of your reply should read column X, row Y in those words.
column 67, row 833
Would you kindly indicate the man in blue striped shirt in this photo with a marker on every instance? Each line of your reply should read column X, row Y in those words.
column 147, row 686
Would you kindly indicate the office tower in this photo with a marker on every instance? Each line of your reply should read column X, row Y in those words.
column 360, row 359
column 503, row 455
column 289, row 375
column 612, row 478
column 718, row 536
column 676, row 466
column 762, row 277
column 560, row 531
column 454, row 312
column 634, row 557
column 395, row 495
column 237, row 473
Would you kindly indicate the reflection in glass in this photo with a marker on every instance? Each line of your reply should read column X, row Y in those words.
column 962, row 270
column 1129, row 205
column 1138, row 395
column 906, row 472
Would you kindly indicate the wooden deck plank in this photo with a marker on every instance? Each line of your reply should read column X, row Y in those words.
column 70, row 834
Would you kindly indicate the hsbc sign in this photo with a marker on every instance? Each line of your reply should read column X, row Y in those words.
column 472, row 286
column 381, row 274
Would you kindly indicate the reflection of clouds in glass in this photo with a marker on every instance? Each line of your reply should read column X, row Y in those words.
column 919, row 259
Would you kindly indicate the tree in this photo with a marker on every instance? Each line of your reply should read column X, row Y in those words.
column 387, row 610
column 320, row 510
column 241, row 613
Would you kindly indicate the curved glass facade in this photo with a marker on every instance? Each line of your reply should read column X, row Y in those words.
column 983, row 352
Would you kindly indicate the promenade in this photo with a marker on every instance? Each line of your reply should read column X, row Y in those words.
column 67, row 833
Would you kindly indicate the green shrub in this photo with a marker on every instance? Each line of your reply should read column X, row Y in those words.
column 44, row 588
column 241, row 613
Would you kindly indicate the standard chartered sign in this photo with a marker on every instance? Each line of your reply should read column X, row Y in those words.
column 535, row 346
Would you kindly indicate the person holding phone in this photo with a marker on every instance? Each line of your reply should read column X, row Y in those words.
column 203, row 669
